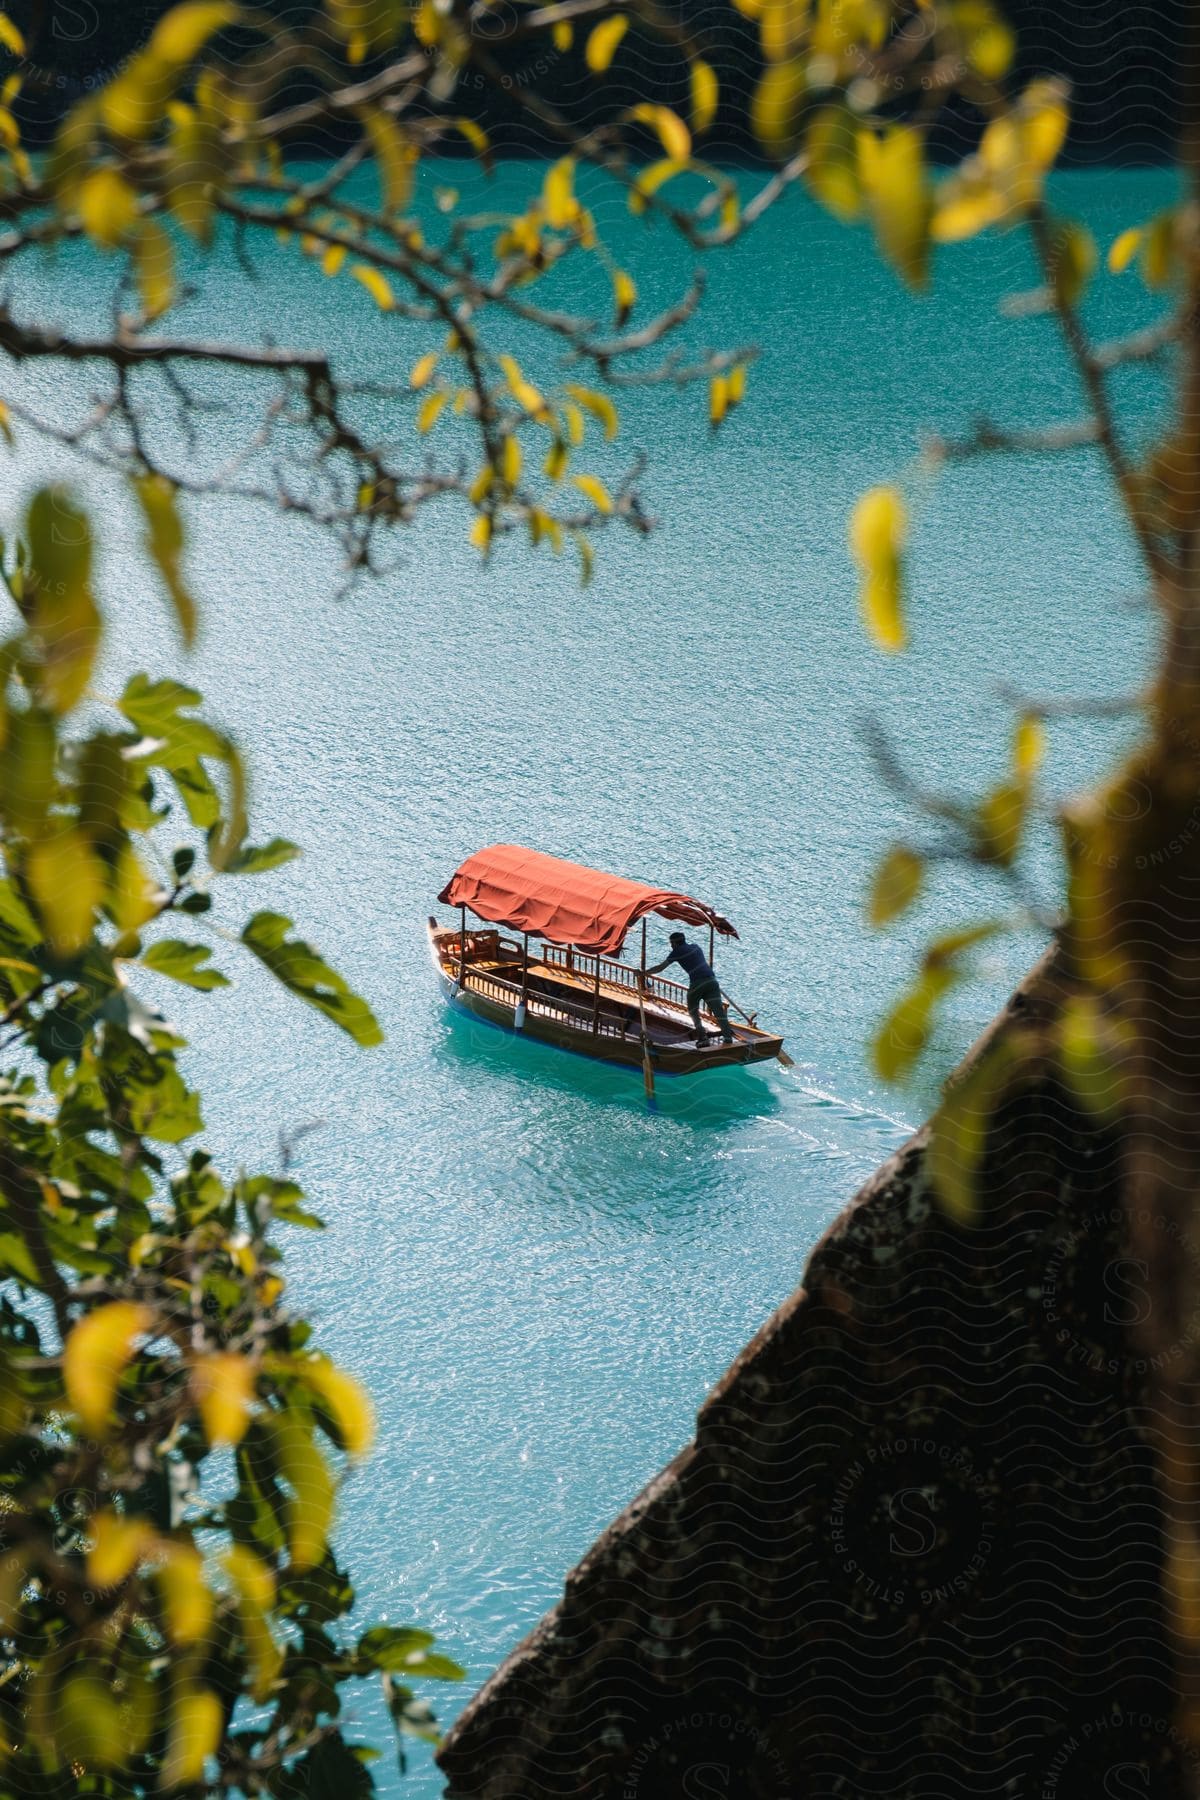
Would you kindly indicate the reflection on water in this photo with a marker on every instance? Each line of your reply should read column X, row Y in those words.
column 706, row 1102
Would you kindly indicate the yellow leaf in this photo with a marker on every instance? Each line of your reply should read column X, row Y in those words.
column 1124, row 249
column 119, row 1544
column 187, row 1603
column 599, row 405
column 575, row 422
column 108, row 208
column 1047, row 121
column 737, row 384
column 625, row 295
column 376, row 285
column 1000, row 821
column 183, row 33
column 133, row 105
column 557, row 457
column 905, row 1031
column 1159, row 258
column 960, row 1132
column 718, row 399
column 512, row 461
column 603, row 41
column 965, row 208
column 558, row 195
column 10, row 37
column 587, row 558
column 164, row 543
column 896, row 885
column 563, row 35
column 672, row 133
column 431, row 409
column 310, row 1512
column 1029, row 746
column 154, row 260
column 395, row 158
column 223, row 1388
column 94, row 1357
column 481, row 533
column 255, row 1588
column 333, row 259
column 594, row 490
column 778, row 105
column 523, row 391
column 197, row 1721
column 475, row 136
column 991, row 45
column 705, row 94
column 1073, row 262
column 878, row 530
column 833, row 172
column 344, row 1400
column 481, row 485
column 67, row 882
column 133, row 898
column 422, row 369
column 653, row 178
column 892, row 169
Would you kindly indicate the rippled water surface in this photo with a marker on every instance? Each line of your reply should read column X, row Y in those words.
column 538, row 1278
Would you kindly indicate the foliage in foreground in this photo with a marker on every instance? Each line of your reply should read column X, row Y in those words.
column 171, row 1611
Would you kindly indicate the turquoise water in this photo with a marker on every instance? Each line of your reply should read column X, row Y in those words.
column 539, row 1279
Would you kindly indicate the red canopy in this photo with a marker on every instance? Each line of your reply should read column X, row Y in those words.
column 563, row 901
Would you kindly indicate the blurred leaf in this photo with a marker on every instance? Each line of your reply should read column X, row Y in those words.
column 108, row 208
column 960, row 1133
column 62, row 612
column 395, row 158
column 344, row 1400
column 1091, row 1053
column 833, row 162
column 183, row 962
column 119, row 1544
column 187, row 1603
column 599, row 405
column 1160, row 258
column 1000, row 822
column 301, row 969
column 897, row 884
column 183, row 33
column 603, row 40
column 595, row 491
column 66, row 880
column 1029, row 747
column 705, row 95
column 10, row 37
column 778, row 106
column 165, row 543
column 893, row 173
column 878, row 529
column 154, row 263
column 223, row 1385
column 255, row 1588
column 1073, row 262
column 256, row 859
column 376, row 285
column 88, row 1728
column 905, row 1031
column 94, row 1358
column 558, row 194
column 310, row 1513
column 1124, row 249
column 197, row 1722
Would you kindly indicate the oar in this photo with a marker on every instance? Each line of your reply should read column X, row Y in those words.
column 647, row 1065
column 785, row 1060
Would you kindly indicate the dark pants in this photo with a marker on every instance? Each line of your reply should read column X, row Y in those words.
column 708, row 993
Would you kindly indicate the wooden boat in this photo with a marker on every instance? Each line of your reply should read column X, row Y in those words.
column 569, row 988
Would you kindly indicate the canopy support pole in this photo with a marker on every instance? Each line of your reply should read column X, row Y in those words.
column 712, row 944
column 462, row 948
column 596, row 1000
column 647, row 1064
column 519, row 1020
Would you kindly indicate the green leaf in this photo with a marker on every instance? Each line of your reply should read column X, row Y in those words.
column 17, row 1259
column 255, row 859
column 960, row 1133
column 182, row 962
column 298, row 966
column 391, row 1646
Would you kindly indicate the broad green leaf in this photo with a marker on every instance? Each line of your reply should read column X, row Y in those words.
column 256, row 859
column 67, row 882
column 301, row 969
column 61, row 607
column 897, row 884
column 183, row 962
column 165, row 544
column 94, row 1357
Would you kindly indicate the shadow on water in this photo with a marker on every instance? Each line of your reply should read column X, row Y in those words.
column 721, row 1097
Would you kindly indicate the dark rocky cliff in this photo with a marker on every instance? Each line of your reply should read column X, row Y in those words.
column 916, row 1546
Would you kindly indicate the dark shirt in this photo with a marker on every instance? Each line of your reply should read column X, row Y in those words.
column 693, row 962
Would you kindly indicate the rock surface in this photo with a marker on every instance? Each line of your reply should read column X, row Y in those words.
column 915, row 1546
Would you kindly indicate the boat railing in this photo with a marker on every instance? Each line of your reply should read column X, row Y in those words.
column 616, row 974
column 508, row 993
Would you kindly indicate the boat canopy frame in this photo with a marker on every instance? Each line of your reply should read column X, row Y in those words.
column 567, row 903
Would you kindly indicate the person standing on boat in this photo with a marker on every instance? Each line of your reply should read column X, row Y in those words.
column 703, row 987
